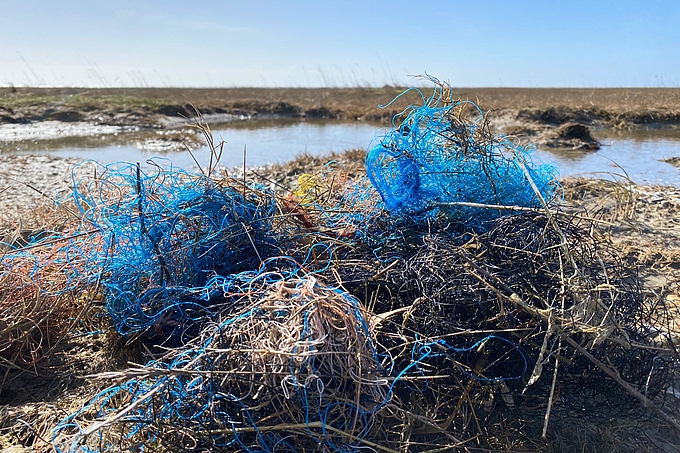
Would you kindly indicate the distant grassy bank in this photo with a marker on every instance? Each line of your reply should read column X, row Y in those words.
column 608, row 107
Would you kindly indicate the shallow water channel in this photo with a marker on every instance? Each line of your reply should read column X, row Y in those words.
column 638, row 155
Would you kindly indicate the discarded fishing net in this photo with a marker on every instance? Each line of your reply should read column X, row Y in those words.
column 539, row 285
column 464, row 322
column 483, row 250
column 435, row 162
column 145, row 244
column 163, row 236
column 39, row 300
column 297, row 368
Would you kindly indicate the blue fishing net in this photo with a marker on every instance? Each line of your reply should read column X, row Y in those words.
column 436, row 163
column 296, row 368
column 266, row 354
column 157, row 239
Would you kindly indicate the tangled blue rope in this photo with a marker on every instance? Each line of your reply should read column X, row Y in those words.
column 435, row 163
column 161, row 237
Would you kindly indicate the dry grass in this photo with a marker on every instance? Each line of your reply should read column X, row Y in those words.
column 341, row 103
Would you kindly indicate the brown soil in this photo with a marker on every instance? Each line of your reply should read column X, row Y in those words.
column 570, row 136
column 673, row 161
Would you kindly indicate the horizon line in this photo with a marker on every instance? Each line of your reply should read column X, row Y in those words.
column 343, row 87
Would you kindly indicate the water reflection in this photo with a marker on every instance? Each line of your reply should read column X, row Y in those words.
column 265, row 142
column 282, row 141
column 638, row 154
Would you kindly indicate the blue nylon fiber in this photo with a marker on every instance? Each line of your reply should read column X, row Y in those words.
column 432, row 159
column 164, row 237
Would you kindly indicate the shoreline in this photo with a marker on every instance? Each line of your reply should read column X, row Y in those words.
column 617, row 108
column 161, row 118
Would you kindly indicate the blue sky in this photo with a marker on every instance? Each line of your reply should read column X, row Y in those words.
column 210, row 43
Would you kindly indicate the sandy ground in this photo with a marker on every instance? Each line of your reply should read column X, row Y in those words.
column 643, row 224
column 29, row 183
